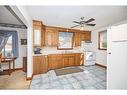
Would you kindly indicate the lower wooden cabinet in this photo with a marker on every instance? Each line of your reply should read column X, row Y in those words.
column 68, row 60
column 39, row 65
column 56, row 61
column 79, row 59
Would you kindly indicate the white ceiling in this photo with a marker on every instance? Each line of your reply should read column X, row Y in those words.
column 64, row 15
column 7, row 17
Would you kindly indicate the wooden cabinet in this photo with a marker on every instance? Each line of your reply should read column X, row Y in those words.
column 77, row 39
column 55, row 61
column 38, row 34
column 68, row 60
column 51, row 37
column 79, row 59
column 39, row 64
column 81, row 36
column 86, row 36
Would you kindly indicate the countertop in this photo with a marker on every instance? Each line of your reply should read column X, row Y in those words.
column 58, row 52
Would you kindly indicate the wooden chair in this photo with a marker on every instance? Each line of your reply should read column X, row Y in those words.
column 0, row 59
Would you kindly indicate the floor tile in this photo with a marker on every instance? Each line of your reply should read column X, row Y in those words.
column 93, row 77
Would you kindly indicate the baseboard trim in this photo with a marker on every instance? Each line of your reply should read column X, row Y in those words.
column 29, row 78
column 15, row 69
column 101, row 65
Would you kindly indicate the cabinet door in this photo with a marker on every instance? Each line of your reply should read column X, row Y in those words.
column 51, row 37
column 36, row 65
column 43, row 35
column 37, row 37
column 55, row 61
column 79, row 59
column 77, row 39
column 68, row 60
column 65, row 61
column 39, row 65
column 37, row 33
column 71, row 60
column 86, row 36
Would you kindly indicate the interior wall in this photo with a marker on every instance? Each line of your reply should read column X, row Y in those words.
column 22, row 34
column 28, row 20
column 101, row 55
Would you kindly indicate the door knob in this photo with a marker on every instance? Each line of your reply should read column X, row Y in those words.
column 109, row 53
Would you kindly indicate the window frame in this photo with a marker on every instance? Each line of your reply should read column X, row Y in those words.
column 58, row 48
column 99, row 39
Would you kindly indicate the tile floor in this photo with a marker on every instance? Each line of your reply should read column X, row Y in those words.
column 93, row 77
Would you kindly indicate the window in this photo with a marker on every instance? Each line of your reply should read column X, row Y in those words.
column 65, row 40
column 7, row 50
column 102, row 40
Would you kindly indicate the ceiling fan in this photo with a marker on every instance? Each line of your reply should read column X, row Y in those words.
column 82, row 22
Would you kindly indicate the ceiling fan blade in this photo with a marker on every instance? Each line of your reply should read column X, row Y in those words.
column 92, row 19
column 76, row 22
column 91, row 24
column 75, row 26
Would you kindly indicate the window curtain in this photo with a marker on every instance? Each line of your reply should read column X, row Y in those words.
column 4, row 35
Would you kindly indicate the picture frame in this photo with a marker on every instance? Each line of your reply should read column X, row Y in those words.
column 23, row 41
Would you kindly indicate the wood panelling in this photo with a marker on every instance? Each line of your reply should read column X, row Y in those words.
column 39, row 65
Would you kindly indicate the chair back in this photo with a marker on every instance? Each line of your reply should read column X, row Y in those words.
column 0, row 57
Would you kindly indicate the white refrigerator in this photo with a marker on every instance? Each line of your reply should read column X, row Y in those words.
column 117, row 57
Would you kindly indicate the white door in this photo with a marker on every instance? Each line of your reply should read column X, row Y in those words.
column 117, row 57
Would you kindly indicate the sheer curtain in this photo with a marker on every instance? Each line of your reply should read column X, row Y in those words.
column 4, row 35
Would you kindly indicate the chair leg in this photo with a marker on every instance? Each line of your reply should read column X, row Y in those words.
column 9, row 68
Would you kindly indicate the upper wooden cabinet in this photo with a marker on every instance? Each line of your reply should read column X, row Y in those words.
column 86, row 36
column 81, row 36
column 38, row 34
column 51, row 37
column 77, row 39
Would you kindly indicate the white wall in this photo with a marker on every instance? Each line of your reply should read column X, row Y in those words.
column 22, row 34
column 28, row 21
column 101, row 55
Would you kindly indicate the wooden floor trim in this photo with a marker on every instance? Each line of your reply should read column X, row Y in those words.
column 101, row 65
column 15, row 69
